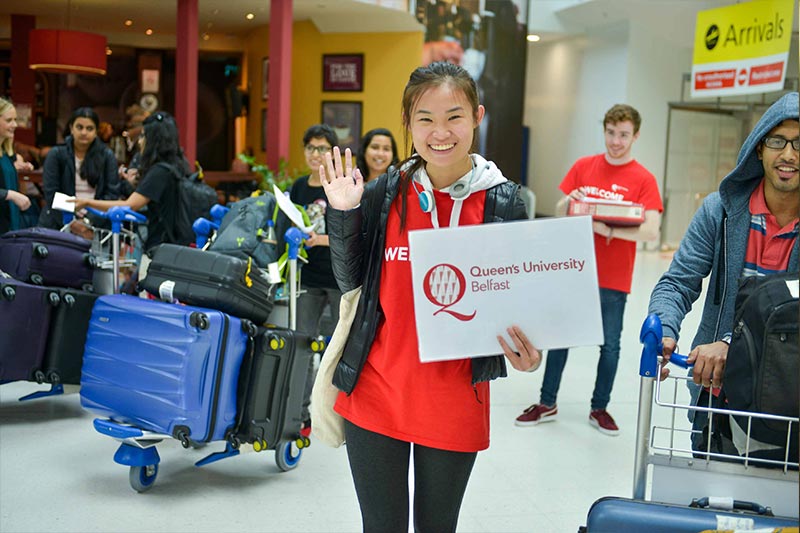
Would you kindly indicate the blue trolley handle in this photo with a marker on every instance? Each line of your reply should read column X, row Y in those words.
column 651, row 337
column 294, row 239
column 117, row 215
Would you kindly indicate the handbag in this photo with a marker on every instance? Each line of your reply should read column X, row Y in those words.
column 328, row 424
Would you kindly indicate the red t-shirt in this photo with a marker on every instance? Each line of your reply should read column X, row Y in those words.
column 630, row 182
column 432, row 404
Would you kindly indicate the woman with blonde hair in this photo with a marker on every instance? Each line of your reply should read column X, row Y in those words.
column 11, row 200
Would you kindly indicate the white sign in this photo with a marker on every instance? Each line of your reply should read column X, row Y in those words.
column 150, row 78
column 473, row 282
column 294, row 214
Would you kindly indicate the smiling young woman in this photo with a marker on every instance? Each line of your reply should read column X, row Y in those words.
column 441, row 410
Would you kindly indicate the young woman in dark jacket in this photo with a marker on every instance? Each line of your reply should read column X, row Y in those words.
column 391, row 401
column 83, row 167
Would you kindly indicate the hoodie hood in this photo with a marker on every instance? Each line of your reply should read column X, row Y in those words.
column 749, row 170
column 486, row 175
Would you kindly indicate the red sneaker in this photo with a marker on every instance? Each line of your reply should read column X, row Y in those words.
column 305, row 429
column 536, row 413
column 600, row 419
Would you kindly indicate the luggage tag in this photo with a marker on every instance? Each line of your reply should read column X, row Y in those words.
column 274, row 273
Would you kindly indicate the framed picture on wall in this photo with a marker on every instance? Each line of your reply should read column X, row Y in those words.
column 343, row 72
column 265, row 78
column 345, row 119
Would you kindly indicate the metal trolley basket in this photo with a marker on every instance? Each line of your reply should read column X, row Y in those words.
column 676, row 473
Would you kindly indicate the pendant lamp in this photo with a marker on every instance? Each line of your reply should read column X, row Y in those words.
column 66, row 51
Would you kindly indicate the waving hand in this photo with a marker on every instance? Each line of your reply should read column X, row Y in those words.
column 343, row 186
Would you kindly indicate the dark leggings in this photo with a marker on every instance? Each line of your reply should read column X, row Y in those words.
column 379, row 465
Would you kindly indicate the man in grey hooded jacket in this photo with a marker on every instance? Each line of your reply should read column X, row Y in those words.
column 717, row 243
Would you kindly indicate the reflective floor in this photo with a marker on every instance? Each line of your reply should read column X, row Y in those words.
column 57, row 473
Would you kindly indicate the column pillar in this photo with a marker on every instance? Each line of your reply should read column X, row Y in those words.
column 23, row 79
column 280, row 76
column 186, row 76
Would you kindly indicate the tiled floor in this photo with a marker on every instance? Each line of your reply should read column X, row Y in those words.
column 57, row 473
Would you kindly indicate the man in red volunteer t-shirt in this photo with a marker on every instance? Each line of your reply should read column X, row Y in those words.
column 613, row 175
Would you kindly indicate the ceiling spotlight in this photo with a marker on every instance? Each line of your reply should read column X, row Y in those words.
column 108, row 51
column 129, row 22
column 250, row 16
column 206, row 36
column 148, row 31
column 533, row 38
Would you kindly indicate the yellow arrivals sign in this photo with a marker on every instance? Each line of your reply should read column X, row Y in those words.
column 742, row 49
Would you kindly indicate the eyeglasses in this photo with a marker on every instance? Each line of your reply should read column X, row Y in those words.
column 779, row 143
column 321, row 150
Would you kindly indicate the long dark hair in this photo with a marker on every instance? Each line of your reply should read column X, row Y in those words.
column 161, row 143
column 93, row 164
column 421, row 80
column 361, row 161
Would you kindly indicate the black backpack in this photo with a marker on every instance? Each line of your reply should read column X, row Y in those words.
column 195, row 199
column 761, row 370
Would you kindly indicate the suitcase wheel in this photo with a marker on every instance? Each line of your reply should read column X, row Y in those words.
column 54, row 299
column 285, row 456
column 90, row 260
column 184, row 438
column 249, row 328
column 199, row 320
column 260, row 445
column 318, row 344
column 302, row 442
column 39, row 376
column 234, row 441
column 69, row 300
column 53, row 377
column 142, row 478
column 40, row 250
column 9, row 293
column 88, row 287
column 276, row 342
column 37, row 279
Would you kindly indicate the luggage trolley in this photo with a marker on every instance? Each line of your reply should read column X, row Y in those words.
column 693, row 490
column 137, row 448
column 107, row 247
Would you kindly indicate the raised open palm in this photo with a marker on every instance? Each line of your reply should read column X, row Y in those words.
column 343, row 186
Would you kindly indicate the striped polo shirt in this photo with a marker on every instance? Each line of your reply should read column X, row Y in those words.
column 768, row 245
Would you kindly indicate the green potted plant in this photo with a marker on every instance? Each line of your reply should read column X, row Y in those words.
column 283, row 179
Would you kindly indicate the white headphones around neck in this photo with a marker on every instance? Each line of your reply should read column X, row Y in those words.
column 458, row 191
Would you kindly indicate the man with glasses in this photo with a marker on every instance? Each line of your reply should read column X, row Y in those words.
column 748, row 228
column 318, row 283
column 613, row 175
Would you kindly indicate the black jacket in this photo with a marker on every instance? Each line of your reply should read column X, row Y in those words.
column 59, row 176
column 357, row 240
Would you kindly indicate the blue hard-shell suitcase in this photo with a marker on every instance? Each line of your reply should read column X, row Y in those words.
column 167, row 368
column 624, row 515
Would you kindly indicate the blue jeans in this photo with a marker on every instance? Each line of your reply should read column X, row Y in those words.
column 612, row 307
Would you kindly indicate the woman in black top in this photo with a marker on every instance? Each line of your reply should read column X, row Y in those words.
column 161, row 164
column 83, row 166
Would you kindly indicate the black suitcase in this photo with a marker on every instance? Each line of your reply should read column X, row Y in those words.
column 67, row 337
column 44, row 256
column 25, row 313
column 271, row 387
column 208, row 279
